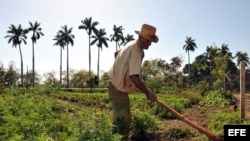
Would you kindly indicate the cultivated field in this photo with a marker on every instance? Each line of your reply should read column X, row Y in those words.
column 46, row 114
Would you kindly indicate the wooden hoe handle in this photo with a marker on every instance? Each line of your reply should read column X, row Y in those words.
column 192, row 124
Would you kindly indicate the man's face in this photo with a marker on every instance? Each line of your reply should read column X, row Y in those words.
column 145, row 43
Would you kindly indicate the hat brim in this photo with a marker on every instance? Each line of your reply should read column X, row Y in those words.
column 152, row 39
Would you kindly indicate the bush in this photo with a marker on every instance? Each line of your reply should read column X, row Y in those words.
column 193, row 96
column 223, row 118
column 202, row 87
column 142, row 125
column 143, row 122
column 214, row 99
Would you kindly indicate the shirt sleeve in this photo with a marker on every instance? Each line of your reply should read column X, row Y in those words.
column 135, row 61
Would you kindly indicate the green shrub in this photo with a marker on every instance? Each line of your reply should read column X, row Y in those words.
column 223, row 118
column 143, row 125
column 143, row 122
column 193, row 96
column 202, row 87
column 214, row 99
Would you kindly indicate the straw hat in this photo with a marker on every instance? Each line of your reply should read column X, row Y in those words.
column 148, row 32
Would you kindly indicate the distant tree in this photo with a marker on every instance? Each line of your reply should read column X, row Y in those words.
column 153, row 68
column 50, row 78
column 225, row 50
column 209, row 58
column 79, row 79
column 176, row 63
column 202, row 64
column 36, row 34
column 89, row 26
column 11, row 76
column 174, row 75
column 153, row 72
column 28, row 78
column 128, row 38
column 104, row 80
column 2, row 75
column 117, row 36
column 67, row 36
column 189, row 46
column 16, row 36
column 99, row 40
column 221, row 71
column 241, row 56
column 61, row 43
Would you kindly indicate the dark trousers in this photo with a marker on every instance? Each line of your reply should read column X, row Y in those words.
column 121, row 111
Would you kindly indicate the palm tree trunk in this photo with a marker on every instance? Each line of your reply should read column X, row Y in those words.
column 67, row 66
column 60, row 66
column 98, row 63
column 89, row 57
column 33, row 65
column 188, row 69
column 21, row 64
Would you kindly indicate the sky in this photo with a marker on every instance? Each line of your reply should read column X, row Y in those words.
column 208, row 22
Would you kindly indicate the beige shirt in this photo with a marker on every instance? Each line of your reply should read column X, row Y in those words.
column 128, row 62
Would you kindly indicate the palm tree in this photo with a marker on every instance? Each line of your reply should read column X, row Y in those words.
column 60, row 42
column 209, row 57
column 17, row 35
column 128, row 38
column 117, row 36
column 241, row 57
column 176, row 63
column 36, row 34
column 189, row 46
column 89, row 26
column 224, row 49
column 100, row 39
column 67, row 37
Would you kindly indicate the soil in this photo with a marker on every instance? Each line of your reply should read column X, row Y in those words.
column 195, row 115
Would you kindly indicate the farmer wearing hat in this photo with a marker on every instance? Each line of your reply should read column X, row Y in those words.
column 125, row 78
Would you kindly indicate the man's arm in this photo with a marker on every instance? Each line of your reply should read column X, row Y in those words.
column 138, row 83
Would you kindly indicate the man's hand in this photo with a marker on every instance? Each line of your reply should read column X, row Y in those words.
column 152, row 97
column 138, row 83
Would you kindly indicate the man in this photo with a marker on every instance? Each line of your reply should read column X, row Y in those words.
column 125, row 78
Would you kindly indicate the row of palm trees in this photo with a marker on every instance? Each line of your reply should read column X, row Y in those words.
column 17, row 36
column 64, row 38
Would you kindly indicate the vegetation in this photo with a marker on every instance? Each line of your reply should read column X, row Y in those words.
column 206, row 66
column 46, row 113
column 76, row 107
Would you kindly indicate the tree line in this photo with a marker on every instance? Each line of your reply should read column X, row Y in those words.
column 64, row 37
column 215, row 61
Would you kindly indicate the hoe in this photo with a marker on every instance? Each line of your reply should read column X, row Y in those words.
column 192, row 124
